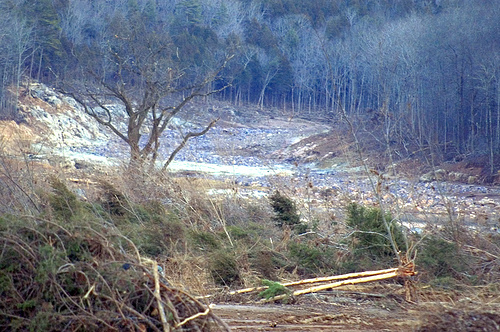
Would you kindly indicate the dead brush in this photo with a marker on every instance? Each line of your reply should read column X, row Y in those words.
column 463, row 316
column 460, row 297
column 485, row 249
column 72, row 268
column 17, row 181
column 58, row 277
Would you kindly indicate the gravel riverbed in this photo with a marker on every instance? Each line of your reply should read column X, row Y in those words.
column 255, row 151
column 247, row 156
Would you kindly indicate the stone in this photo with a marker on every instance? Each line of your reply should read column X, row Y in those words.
column 53, row 100
column 472, row 179
column 437, row 175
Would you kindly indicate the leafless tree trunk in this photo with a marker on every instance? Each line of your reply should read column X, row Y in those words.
column 140, row 69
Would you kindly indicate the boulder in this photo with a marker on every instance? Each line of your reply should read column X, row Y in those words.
column 435, row 175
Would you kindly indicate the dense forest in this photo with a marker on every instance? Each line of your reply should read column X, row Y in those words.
column 426, row 71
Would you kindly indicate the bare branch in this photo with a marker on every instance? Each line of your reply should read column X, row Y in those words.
column 184, row 141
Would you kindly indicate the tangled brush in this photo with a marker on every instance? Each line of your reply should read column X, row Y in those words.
column 57, row 276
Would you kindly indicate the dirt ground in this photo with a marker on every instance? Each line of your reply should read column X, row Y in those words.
column 313, row 317
column 365, row 308
column 369, row 307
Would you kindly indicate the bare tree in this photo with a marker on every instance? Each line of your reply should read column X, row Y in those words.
column 15, row 43
column 139, row 67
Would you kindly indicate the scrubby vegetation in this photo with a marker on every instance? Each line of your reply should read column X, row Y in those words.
column 310, row 258
column 275, row 288
column 286, row 213
column 370, row 242
column 87, row 261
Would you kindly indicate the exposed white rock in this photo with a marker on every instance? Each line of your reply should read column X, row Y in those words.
column 64, row 125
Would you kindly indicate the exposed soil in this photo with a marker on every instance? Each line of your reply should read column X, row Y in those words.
column 369, row 307
column 310, row 317
column 328, row 311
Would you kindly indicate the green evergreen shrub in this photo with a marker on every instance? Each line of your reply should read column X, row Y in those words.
column 285, row 210
column 274, row 289
column 370, row 244
column 442, row 262
column 310, row 258
column 162, row 238
column 250, row 240
column 154, row 230
column 238, row 233
column 247, row 233
column 63, row 202
column 206, row 241
column 224, row 268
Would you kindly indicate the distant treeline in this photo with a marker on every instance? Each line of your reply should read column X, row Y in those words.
column 426, row 71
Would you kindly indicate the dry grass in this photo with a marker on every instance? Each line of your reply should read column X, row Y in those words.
column 465, row 314
column 103, row 242
column 70, row 277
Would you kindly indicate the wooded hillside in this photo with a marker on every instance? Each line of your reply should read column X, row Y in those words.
column 426, row 72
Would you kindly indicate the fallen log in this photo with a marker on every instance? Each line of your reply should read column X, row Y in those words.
column 351, row 281
column 406, row 269
column 311, row 281
column 340, row 277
